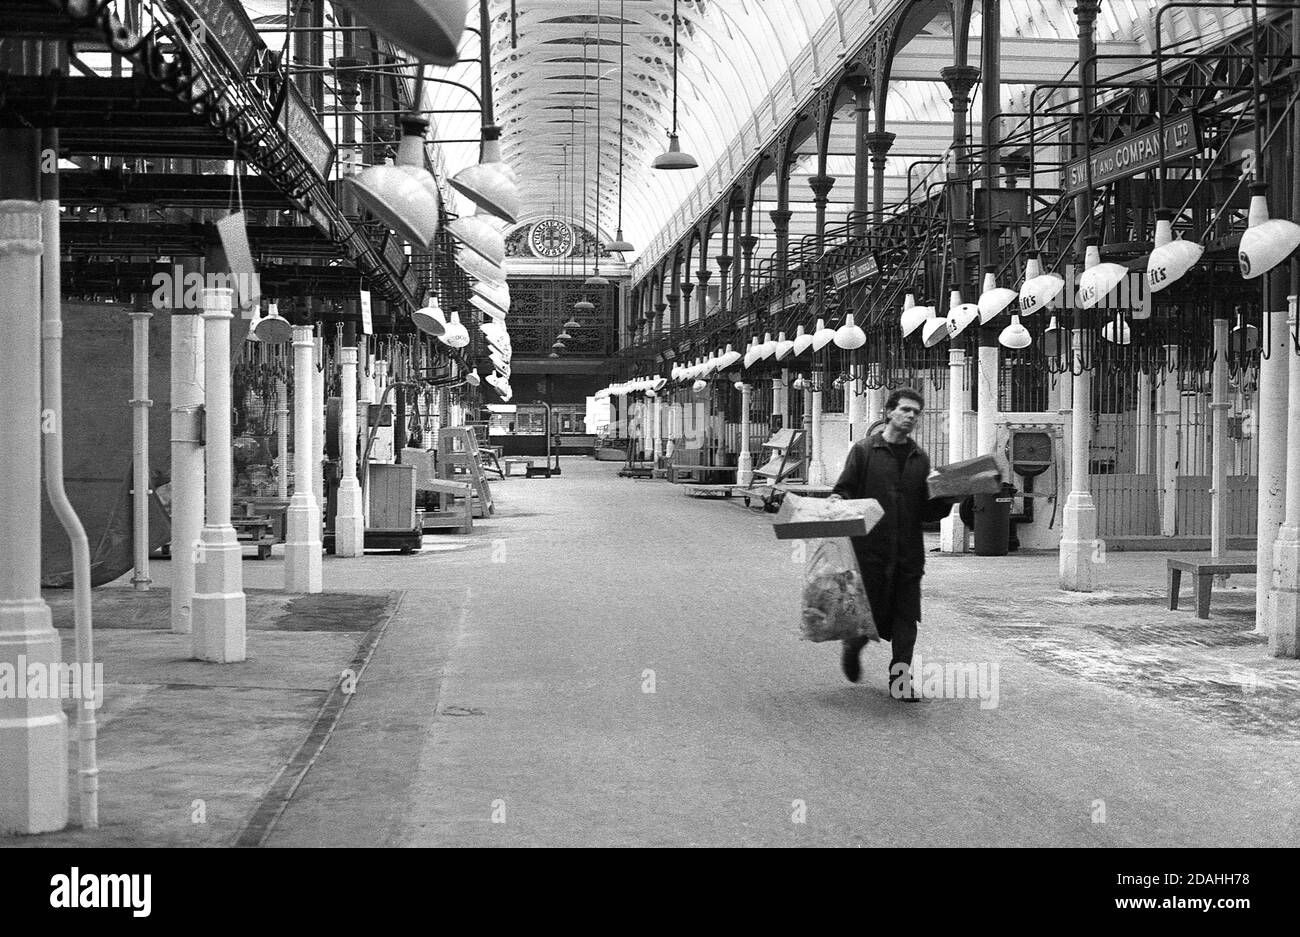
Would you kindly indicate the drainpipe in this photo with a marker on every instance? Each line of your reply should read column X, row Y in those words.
column 282, row 438
column 1219, row 454
column 140, row 404
column 187, row 457
column 52, row 379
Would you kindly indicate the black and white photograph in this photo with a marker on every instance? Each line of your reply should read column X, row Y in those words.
column 902, row 449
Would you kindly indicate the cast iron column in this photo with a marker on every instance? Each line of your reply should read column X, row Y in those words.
column 878, row 142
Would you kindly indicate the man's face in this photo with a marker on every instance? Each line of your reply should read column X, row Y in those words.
column 904, row 417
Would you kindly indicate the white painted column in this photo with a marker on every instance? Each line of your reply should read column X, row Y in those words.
column 816, row 470
column 986, row 435
column 282, row 438
column 1079, row 527
column 1274, row 441
column 140, row 404
column 1170, row 445
column 1282, row 618
column 952, row 532
column 33, row 732
column 318, row 433
column 745, row 461
column 220, row 612
column 780, row 400
column 187, row 461
column 349, row 524
column 302, row 548
column 1142, row 451
column 1219, row 453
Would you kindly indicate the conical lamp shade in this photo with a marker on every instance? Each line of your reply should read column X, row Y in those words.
column 802, row 341
column 1098, row 279
column 751, row 353
column 1015, row 335
column 674, row 158
column 478, row 234
column 403, row 196
column 456, row 335
column 728, row 358
column 489, row 185
column 274, row 328
column 822, row 336
column 428, row 29
column 498, row 295
column 962, row 315
column 935, row 329
column 850, row 336
column 472, row 379
column 1053, row 339
column 1038, row 292
column 700, row 387
column 596, row 280
column 994, row 299
column 619, row 244
column 783, row 347
column 768, row 348
column 1170, row 260
column 480, row 268
column 913, row 315
column 429, row 319
column 485, row 307
column 1267, row 242
column 1116, row 331
column 253, row 323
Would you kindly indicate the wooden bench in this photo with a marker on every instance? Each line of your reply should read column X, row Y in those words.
column 512, row 460
column 1203, row 572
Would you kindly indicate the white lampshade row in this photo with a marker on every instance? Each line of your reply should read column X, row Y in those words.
column 783, row 347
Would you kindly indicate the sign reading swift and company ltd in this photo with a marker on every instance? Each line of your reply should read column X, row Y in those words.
column 1133, row 155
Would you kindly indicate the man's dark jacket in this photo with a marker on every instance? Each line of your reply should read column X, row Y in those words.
column 892, row 556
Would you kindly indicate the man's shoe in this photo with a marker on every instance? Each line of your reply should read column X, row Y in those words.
column 902, row 688
column 849, row 660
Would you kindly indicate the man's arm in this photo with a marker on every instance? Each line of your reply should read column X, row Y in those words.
column 850, row 479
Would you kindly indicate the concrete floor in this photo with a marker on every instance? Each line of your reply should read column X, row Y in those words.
column 509, row 701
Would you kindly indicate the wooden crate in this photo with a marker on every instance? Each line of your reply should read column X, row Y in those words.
column 391, row 494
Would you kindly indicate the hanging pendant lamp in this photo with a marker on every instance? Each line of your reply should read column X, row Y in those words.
column 802, row 341
column 728, row 358
column 1170, row 259
column 1039, row 289
column 429, row 318
column 822, row 336
column 1053, row 339
column 935, row 328
column 1268, row 241
column 274, row 328
column 994, row 299
column 455, row 335
column 490, row 184
column 850, row 336
column 962, row 315
column 428, row 29
column 404, row 195
column 674, row 158
column 913, row 316
column 1015, row 335
column 1098, row 279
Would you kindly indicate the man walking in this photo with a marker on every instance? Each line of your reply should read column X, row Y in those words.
column 890, row 467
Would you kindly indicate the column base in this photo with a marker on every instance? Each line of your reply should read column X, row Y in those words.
column 33, row 732
column 952, row 533
column 1284, row 597
column 302, row 548
column 349, row 524
column 744, row 470
column 1080, row 548
column 220, row 610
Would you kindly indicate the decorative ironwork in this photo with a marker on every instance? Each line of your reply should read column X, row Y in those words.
column 539, row 307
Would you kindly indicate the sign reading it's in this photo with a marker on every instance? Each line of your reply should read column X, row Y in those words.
column 1133, row 155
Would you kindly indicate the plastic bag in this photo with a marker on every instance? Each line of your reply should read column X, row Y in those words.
column 835, row 606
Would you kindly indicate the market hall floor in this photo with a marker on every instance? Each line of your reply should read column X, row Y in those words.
column 607, row 661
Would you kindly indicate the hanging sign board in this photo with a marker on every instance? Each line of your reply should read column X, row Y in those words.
column 367, row 324
column 305, row 132
column 858, row 270
column 223, row 25
column 1133, row 155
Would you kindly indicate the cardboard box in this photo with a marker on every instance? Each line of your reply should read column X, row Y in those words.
column 978, row 476
column 814, row 518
